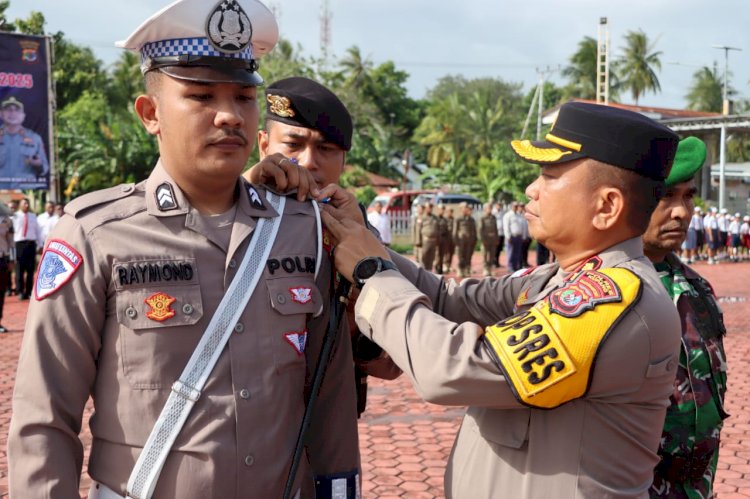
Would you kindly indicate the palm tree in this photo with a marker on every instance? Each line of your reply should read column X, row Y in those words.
column 582, row 70
column 636, row 67
column 706, row 91
column 356, row 69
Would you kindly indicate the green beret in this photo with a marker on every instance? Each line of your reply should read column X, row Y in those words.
column 690, row 157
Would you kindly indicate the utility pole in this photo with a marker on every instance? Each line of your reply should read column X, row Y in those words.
column 543, row 74
column 602, row 63
column 725, row 112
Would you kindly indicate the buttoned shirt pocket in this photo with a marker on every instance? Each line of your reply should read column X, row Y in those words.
column 158, row 332
column 294, row 300
column 509, row 427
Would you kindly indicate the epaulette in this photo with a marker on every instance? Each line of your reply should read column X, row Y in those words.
column 98, row 207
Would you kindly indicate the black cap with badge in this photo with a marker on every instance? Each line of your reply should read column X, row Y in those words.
column 611, row 135
column 198, row 40
column 302, row 102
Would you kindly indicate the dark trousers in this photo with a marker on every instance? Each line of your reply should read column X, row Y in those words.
column 499, row 250
column 25, row 266
column 3, row 282
column 542, row 254
column 515, row 253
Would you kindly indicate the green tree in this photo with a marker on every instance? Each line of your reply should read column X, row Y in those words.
column 706, row 91
column 637, row 67
column 581, row 73
column 75, row 70
column 32, row 25
column 125, row 81
column 5, row 23
column 356, row 69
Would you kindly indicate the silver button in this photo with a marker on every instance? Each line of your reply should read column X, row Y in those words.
column 249, row 460
column 281, row 299
column 238, row 328
column 187, row 309
column 232, row 263
column 245, row 393
column 131, row 312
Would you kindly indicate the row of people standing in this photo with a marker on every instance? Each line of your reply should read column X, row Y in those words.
column 716, row 235
column 439, row 236
column 21, row 233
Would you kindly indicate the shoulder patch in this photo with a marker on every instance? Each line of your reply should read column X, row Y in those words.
column 96, row 198
column 57, row 265
column 547, row 356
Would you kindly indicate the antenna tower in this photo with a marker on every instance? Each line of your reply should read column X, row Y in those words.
column 325, row 31
column 602, row 63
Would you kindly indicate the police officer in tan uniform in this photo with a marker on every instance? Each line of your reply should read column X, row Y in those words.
column 490, row 238
column 133, row 275
column 465, row 237
column 429, row 236
column 416, row 226
column 444, row 229
column 566, row 368
column 450, row 244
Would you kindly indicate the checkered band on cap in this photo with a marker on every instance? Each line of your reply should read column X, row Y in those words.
column 189, row 46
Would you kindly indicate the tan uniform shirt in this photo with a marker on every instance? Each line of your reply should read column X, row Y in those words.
column 93, row 336
column 600, row 445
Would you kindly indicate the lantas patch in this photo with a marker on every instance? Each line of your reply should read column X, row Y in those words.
column 160, row 307
column 301, row 295
column 297, row 340
column 58, row 264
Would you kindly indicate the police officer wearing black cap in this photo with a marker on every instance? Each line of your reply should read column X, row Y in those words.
column 190, row 307
column 308, row 126
column 567, row 367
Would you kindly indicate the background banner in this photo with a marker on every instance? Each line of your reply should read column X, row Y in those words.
column 25, row 152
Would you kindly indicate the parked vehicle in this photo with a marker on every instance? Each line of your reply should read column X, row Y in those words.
column 399, row 201
column 442, row 198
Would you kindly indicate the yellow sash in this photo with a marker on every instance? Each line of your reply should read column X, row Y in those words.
column 548, row 351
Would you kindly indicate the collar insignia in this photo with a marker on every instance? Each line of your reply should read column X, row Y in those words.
column 301, row 295
column 160, row 307
column 522, row 298
column 583, row 291
column 165, row 197
column 228, row 28
column 280, row 106
column 255, row 198
column 297, row 340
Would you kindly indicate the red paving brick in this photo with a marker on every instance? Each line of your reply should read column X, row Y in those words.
column 406, row 442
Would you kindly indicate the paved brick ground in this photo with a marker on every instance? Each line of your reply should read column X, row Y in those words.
column 405, row 442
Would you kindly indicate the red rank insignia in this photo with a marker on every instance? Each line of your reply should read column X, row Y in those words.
column 160, row 307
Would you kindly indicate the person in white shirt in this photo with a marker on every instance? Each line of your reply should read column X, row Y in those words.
column 47, row 220
column 499, row 213
column 381, row 221
column 27, row 236
column 733, row 228
column 745, row 236
column 713, row 237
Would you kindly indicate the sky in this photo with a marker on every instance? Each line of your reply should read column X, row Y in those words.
column 507, row 39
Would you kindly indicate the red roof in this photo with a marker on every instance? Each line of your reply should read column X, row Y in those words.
column 378, row 182
column 663, row 112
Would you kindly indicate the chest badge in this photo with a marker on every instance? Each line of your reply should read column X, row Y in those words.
column 301, row 295
column 160, row 304
column 297, row 340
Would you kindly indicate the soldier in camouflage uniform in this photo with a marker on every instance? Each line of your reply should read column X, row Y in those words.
column 689, row 447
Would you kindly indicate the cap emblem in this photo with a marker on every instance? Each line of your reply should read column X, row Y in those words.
column 526, row 150
column 229, row 29
column 280, row 106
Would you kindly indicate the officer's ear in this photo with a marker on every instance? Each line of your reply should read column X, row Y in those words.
column 263, row 140
column 609, row 207
column 145, row 107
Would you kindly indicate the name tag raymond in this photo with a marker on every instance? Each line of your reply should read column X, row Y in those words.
column 548, row 351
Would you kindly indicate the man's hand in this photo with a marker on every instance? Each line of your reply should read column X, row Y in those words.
column 282, row 174
column 352, row 240
column 344, row 201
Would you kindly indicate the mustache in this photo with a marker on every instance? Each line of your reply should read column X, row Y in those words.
column 228, row 133
column 671, row 226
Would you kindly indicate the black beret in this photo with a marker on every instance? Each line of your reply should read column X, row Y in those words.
column 607, row 134
column 306, row 103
